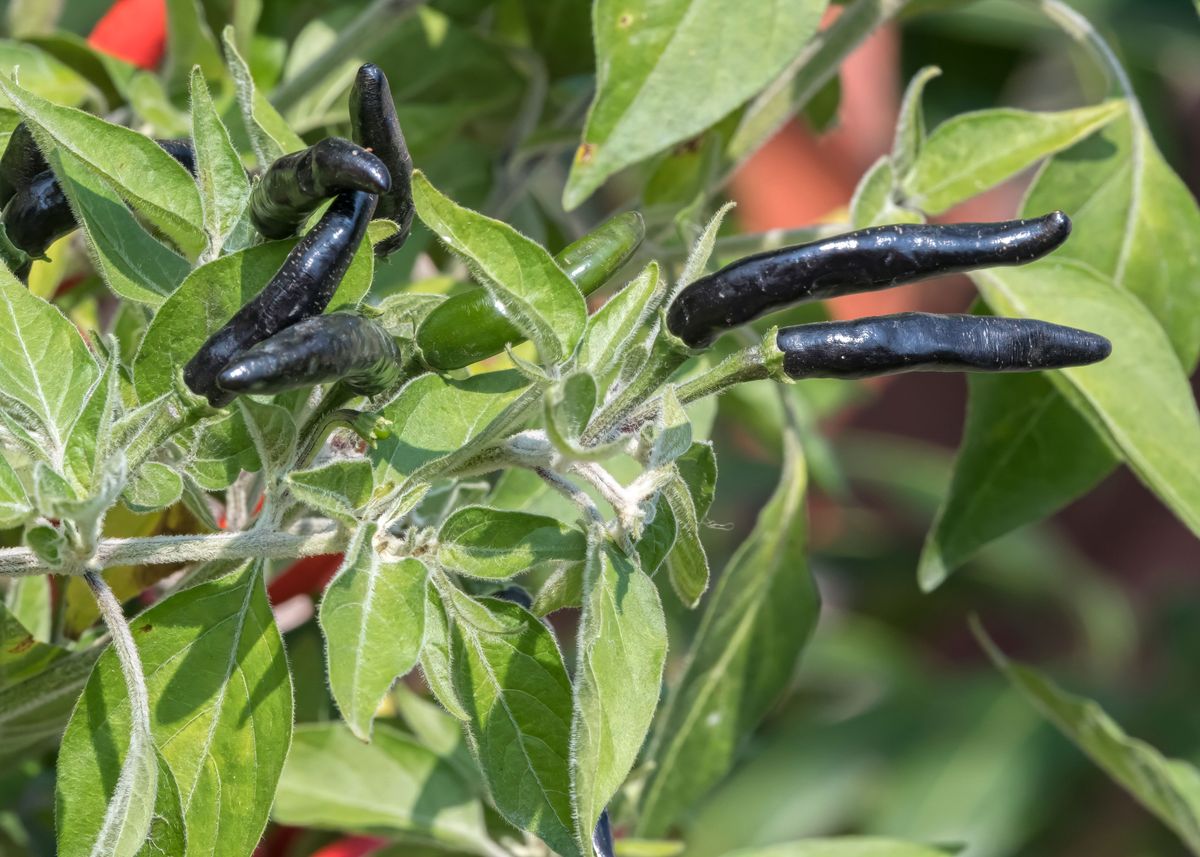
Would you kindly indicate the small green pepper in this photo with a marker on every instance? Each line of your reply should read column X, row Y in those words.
column 466, row 328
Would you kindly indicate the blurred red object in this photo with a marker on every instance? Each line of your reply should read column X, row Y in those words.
column 134, row 31
column 353, row 846
column 307, row 576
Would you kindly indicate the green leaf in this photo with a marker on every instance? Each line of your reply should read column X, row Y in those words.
column 221, row 712
column 1134, row 222
column 910, row 126
column 622, row 647
column 21, row 654
column 340, row 488
column 687, row 563
column 1169, row 788
column 30, row 600
column 510, row 677
column 970, row 153
column 673, row 431
column 373, row 618
column 519, row 274
column 91, row 439
column 874, row 202
column 269, row 132
column 155, row 486
column 701, row 252
column 224, row 188
column 669, row 70
column 495, row 544
column 190, row 46
column 274, row 432
column 617, row 324
column 36, row 710
column 1139, row 398
column 134, row 264
column 844, row 846
column 392, row 786
column 1022, row 434
column 433, row 417
column 44, row 74
column 46, row 369
column 139, row 170
column 210, row 296
column 438, row 731
column 754, row 629
column 436, row 654
column 14, row 502
column 217, row 450
column 570, row 404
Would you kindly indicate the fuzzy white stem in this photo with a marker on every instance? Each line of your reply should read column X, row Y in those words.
column 159, row 550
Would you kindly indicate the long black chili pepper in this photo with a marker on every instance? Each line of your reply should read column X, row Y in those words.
column 21, row 163
column 340, row 346
column 294, row 185
column 375, row 126
column 912, row 342
column 876, row 258
column 300, row 289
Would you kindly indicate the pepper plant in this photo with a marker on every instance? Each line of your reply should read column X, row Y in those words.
column 523, row 640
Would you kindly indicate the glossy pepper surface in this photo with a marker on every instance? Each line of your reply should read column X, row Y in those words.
column 376, row 126
column 340, row 346
column 300, row 289
column 912, row 342
column 296, row 184
column 870, row 259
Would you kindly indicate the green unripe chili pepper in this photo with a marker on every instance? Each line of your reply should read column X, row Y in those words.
column 466, row 328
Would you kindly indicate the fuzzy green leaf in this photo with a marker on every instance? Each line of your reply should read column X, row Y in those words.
column 755, row 626
column 393, row 786
column 139, row 170
column 669, row 70
column 622, row 648
column 224, row 188
column 496, row 544
column 339, row 488
column 373, row 618
column 520, row 275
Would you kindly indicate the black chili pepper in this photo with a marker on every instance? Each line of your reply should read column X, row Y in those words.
column 515, row 594
column 21, row 163
column 38, row 214
column 375, row 126
column 915, row 341
column 876, row 258
column 294, row 185
column 467, row 328
column 340, row 346
column 300, row 289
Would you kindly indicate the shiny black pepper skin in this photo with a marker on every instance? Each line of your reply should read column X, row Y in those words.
column 21, row 163
column 38, row 215
column 300, row 289
column 920, row 342
column 294, row 185
column 375, row 126
column 876, row 258
column 340, row 346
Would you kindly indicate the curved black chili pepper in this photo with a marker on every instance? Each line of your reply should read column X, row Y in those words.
column 915, row 341
column 876, row 258
column 294, row 185
column 182, row 151
column 21, row 163
column 340, row 346
column 300, row 289
column 602, row 838
column 375, row 126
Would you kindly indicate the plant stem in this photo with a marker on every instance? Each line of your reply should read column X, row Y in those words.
column 161, row 550
column 374, row 23
column 666, row 356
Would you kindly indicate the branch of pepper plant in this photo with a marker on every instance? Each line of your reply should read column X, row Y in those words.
column 165, row 550
column 357, row 38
